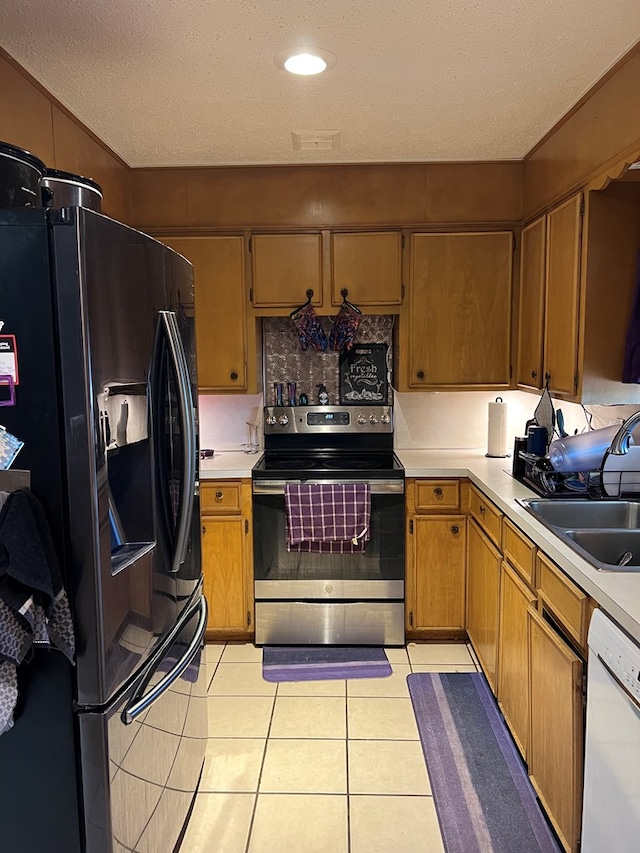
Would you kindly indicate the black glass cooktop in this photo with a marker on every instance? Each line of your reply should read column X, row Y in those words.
column 331, row 463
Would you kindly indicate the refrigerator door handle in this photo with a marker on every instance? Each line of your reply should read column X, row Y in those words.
column 138, row 704
column 189, row 444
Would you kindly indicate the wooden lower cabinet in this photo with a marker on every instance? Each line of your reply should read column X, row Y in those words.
column 483, row 587
column 513, row 655
column 226, row 560
column 556, row 737
column 439, row 545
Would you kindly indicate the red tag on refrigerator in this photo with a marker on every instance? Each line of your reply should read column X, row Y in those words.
column 9, row 357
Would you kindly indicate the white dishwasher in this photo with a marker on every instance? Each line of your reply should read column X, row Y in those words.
column 611, row 806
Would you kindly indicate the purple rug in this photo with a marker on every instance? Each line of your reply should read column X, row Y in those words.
column 322, row 663
column 483, row 797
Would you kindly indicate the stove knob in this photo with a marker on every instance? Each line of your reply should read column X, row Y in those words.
column 271, row 420
column 385, row 419
column 361, row 419
column 283, row 420
column 373, row 419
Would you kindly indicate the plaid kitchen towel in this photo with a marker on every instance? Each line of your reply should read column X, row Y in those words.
column 328, row 517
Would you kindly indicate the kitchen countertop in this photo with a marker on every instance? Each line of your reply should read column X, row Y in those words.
column 228, row 464
column 617, row 593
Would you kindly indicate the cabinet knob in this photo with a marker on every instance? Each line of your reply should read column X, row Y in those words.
column 455, row 529
column 219, row 495
column 482, row 510
column 204, row 529
column 437, row 492
column 420, row 375
column 233, row 376
column 534, row 374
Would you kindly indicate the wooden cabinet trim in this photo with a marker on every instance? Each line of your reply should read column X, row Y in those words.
column 566, row 601
column 529, row 365
column 222, row 497
column 442, row 351
column 437, row 496
column 366, row 263
column 284, row 267
column 562, row 296
column 559, row 785
column 487, row 515
column 513, row 655
column 519, row 550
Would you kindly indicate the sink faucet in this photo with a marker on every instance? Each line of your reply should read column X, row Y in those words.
column 620, row 443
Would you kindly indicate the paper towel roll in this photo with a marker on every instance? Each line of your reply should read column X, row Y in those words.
column 497, row 432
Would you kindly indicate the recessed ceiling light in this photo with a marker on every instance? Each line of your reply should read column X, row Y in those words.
column 305, row 62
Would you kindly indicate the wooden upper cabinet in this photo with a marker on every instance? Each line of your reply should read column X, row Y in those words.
column 369, row 266
column 564, row 227
column 460, row 310
column 285, row 266
column 218, row 270
column 530, row 373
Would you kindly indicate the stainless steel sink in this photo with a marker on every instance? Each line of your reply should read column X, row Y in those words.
column 586, row 514
column 601, row 532
column 605, row 548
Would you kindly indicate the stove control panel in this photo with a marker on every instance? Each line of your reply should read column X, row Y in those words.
column 292, row 420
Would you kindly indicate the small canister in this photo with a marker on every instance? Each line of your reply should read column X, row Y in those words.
column 519, row 444
column 537, row 440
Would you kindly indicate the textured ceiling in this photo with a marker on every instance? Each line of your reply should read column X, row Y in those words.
column 193, row 82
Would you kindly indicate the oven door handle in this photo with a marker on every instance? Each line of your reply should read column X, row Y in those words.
column 378, row 487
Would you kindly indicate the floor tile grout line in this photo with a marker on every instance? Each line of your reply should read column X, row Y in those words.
column 346, row 758
column 264, row 755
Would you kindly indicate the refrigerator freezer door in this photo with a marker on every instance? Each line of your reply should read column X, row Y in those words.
column 140, row 777
column 110, row 287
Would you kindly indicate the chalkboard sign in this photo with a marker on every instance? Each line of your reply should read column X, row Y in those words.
column 363, row 375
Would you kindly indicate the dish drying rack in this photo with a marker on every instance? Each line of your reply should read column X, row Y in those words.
column 620, row 475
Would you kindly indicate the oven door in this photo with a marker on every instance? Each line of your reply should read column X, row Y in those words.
column 351, row 598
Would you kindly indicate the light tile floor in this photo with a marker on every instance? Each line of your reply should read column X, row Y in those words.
column 317, row 767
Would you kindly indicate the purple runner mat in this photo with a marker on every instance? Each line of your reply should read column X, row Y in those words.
column 321, row 663
column 483, row 797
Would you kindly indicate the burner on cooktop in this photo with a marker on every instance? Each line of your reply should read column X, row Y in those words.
column 289, row 464
column 340, row 464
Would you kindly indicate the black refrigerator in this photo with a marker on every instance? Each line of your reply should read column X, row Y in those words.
column 106, row 754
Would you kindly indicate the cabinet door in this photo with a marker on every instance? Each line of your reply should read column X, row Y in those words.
column 285, row 266
column 224, row 570
column 460, row 310
column 369, row 266
column 531, row 305
column 439, row 573
column 564, row 226
column 221, row 349
column 513, row 655
column 483, row 587
column 556, row 739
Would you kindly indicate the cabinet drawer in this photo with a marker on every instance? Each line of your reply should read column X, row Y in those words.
column 220, row 498
column 519, row 551
column 486, row 514
column 432, row 495
column 567, row 602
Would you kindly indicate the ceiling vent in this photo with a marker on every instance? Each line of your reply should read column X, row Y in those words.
column 316, row 140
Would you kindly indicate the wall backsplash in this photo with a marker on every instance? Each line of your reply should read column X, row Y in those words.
column 455, row 419
column 285, row 361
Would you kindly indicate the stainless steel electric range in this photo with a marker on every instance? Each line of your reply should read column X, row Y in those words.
column 329, row 598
